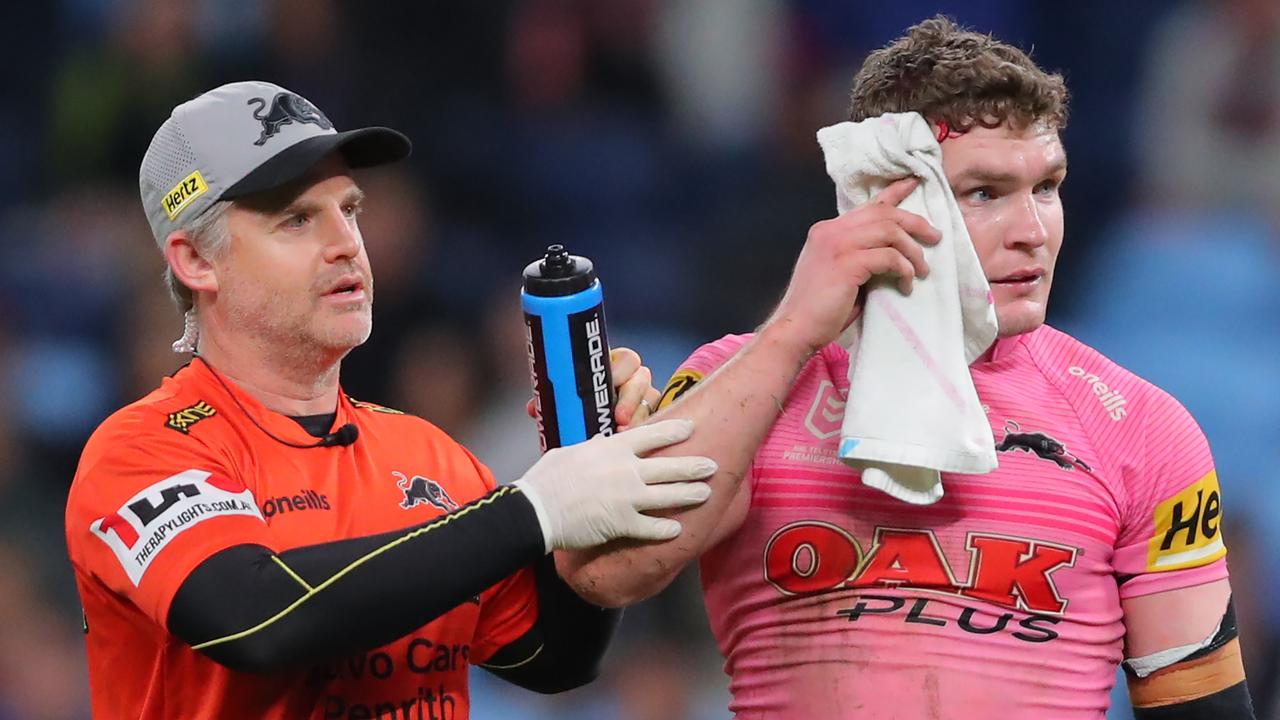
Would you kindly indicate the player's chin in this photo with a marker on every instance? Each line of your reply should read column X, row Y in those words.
column 346, row 332
column 1020, row 317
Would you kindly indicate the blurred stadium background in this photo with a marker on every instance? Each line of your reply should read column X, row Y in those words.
column 672, row 141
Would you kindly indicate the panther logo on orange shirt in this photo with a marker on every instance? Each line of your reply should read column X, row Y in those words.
column 418, row 490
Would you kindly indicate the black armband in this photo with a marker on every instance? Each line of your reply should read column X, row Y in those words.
column 1233, row 703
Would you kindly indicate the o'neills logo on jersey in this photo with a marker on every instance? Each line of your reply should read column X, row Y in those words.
column 812, row 556
column 1112, row 401
column 302, row 500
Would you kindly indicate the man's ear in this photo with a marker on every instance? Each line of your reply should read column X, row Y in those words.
column 188, row 265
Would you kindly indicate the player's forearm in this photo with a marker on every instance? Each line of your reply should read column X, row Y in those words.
column 732, row 410
column 256, row 611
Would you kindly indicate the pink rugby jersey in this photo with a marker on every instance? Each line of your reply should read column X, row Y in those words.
column 1002, row 600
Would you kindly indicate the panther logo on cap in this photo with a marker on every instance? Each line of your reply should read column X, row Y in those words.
column 286, row 108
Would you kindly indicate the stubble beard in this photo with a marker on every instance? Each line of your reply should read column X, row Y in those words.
column 293, row 331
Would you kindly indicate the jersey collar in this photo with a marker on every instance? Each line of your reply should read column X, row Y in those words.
column 237, row 400
column 1000, row 350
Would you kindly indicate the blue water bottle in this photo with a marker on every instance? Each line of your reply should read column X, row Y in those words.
column 568, row 349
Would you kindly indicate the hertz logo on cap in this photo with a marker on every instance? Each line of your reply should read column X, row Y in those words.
column 182, row 194
column 1187, row 528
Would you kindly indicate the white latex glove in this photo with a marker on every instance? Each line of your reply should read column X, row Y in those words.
column 593, row 492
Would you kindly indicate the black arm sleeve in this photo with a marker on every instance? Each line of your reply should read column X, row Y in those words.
column 256, row 611
column 1230, row 704
column 564, row 648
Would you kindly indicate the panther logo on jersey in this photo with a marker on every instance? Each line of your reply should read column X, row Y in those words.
column 1043, row 446
column 418, row 490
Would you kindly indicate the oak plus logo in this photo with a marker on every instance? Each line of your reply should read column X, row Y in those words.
column 1011, row 575
column 147, row 522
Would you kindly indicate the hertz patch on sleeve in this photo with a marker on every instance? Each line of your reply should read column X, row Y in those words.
column 182, row 194
column 679, row 384
column 1188, row 530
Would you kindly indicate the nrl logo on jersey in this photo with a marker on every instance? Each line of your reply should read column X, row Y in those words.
column 826, row 415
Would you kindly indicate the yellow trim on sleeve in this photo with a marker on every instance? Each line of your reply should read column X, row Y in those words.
column 506, row 490
column 291, row 573
column 525, row 661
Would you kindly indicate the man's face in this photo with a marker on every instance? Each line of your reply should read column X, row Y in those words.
column 1006, row 183
column 296, row 274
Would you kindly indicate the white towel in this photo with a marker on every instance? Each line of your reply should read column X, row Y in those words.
column 913, row 411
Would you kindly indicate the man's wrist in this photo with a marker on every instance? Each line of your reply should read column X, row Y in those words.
column 782, row 335
column 544, row 520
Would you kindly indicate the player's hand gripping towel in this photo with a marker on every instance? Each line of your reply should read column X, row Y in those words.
column 913, row 411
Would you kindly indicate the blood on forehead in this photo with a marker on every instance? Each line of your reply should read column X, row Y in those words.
column 946, row 131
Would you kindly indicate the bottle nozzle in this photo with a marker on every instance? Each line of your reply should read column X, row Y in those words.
column 557, row 262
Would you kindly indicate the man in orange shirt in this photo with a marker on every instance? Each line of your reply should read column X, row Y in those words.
column 249, row 542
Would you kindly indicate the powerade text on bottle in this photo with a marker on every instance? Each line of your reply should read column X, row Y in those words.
column 568, row 349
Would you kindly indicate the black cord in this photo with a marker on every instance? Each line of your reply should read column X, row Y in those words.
column 344, row 436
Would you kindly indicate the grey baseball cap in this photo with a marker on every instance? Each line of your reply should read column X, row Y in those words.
column 242, row 138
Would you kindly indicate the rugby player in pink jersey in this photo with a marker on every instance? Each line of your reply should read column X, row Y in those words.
column 1097, row 541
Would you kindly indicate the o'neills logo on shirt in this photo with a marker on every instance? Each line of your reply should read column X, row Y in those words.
column 305, row 499
column 812, row 556
column 1112, row 401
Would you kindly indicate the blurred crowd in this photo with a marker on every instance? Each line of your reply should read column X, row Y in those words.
column 671, row 141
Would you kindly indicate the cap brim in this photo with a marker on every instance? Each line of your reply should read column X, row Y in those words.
column 362, row 148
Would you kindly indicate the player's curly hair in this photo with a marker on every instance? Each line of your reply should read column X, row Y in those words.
column 949, row 73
